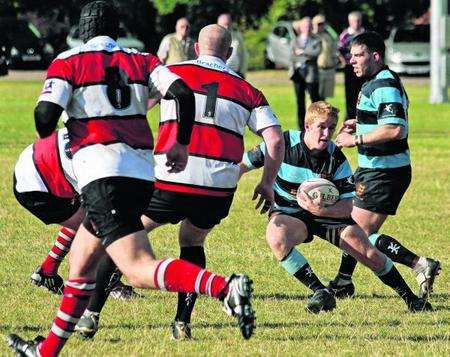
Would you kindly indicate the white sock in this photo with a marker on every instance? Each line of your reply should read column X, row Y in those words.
column 421, row 265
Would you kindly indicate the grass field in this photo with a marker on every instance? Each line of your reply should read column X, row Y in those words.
column 376, row 322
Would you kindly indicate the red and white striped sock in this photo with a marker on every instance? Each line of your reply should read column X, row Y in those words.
column 58, row 252
column 184, row 277
column 74, row 301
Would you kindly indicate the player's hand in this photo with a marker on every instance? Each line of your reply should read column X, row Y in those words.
column 345, row 140
column 348, row 126
column 264, row 193
column 316, row 206
column 177, row 158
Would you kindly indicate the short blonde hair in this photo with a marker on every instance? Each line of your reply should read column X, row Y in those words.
column 321, row 109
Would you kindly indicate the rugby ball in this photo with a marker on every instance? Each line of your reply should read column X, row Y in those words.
column 319, row 187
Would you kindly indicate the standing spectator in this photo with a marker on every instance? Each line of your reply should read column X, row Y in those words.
column 327, row 59
column 304, row 72
column 352, row 82
column 238, row 59
column 177, row 47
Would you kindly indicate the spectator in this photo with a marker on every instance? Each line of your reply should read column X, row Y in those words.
column 327, row 59
column 238, row 59
column 177, row 47
column 352, row 82
column 304, row 72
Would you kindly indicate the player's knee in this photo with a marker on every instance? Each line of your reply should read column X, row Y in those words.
column 277, row 244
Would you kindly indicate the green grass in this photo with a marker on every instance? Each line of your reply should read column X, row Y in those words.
column 374, row 323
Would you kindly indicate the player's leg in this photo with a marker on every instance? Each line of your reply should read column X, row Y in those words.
column 85, row 251
column 107, row 276
column 425, row 268
column 201, row 214
column 134, row 257
column 283, row 234
column 354, row 242
column 191, row 240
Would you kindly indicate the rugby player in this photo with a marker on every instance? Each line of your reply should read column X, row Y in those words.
column 45, row 185
column 201, row 196
column 380, row 133
column 104, row 89
column 307, row 155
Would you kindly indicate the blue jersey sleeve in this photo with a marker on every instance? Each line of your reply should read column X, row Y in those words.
column 254, row 158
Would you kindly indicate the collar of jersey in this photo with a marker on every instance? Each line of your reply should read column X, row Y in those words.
column 212, row 62
column 104, row 41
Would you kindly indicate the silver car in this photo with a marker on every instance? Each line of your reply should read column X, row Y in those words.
column 278, row 49
column 125, row 39
column 408, row 49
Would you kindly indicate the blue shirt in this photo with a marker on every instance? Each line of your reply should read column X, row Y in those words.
column 301, row 164
column 382, row 100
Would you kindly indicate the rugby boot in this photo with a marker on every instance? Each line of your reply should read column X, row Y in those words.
column 53, row 283
column 24, row 348
column 237, row 302
column 87, row 325
column 120, row 291
column 181, row 330
column 341, row 291
column 321, row 300
column 426, row 276
column 419, row 305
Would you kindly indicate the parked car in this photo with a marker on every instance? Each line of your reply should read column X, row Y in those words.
column 125, row 39
column 278, row 50
column 23, row 45
column 408, row 49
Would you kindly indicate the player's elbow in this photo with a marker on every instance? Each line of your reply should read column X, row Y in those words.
column 398, row 132
column 46, row 116
column 273, row 137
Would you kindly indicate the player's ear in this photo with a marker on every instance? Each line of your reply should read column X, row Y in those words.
column 197, row 48
column 229, row 52
column 376, row 56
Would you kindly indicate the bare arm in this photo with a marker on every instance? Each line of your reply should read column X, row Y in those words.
column 380, row 135
column 273, row 138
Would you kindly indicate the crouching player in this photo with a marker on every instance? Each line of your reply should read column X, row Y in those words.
column 311, row 154
column 45, row 185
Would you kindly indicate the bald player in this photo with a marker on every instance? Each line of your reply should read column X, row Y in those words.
column 201, row 196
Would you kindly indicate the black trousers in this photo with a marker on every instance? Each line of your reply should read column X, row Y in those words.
column 300, row 87
column 353, row 86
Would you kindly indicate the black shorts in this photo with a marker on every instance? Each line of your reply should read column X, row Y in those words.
column 381, row 190
column 203, row 212
column 48, row 208
column 326, row 228
column 114, row 206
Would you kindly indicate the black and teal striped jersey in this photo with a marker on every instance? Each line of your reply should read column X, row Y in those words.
column 382, row 100
column 301, row 164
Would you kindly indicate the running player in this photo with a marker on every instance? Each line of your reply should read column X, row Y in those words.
column 307, row 155
column 104, row 89
column 201, row 196
column 384, row 166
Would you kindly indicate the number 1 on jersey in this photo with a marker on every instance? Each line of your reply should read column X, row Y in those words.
column 211, row 99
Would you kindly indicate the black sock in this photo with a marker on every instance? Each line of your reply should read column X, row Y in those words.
column 107, row 276
column 396, row 282
column 394, row 250
column 186, row 302
column 347, row 267
column 306, row 275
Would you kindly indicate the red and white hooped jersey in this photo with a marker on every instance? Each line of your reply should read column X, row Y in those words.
column 46, row 166
column 104, row 90
column 225, row 105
